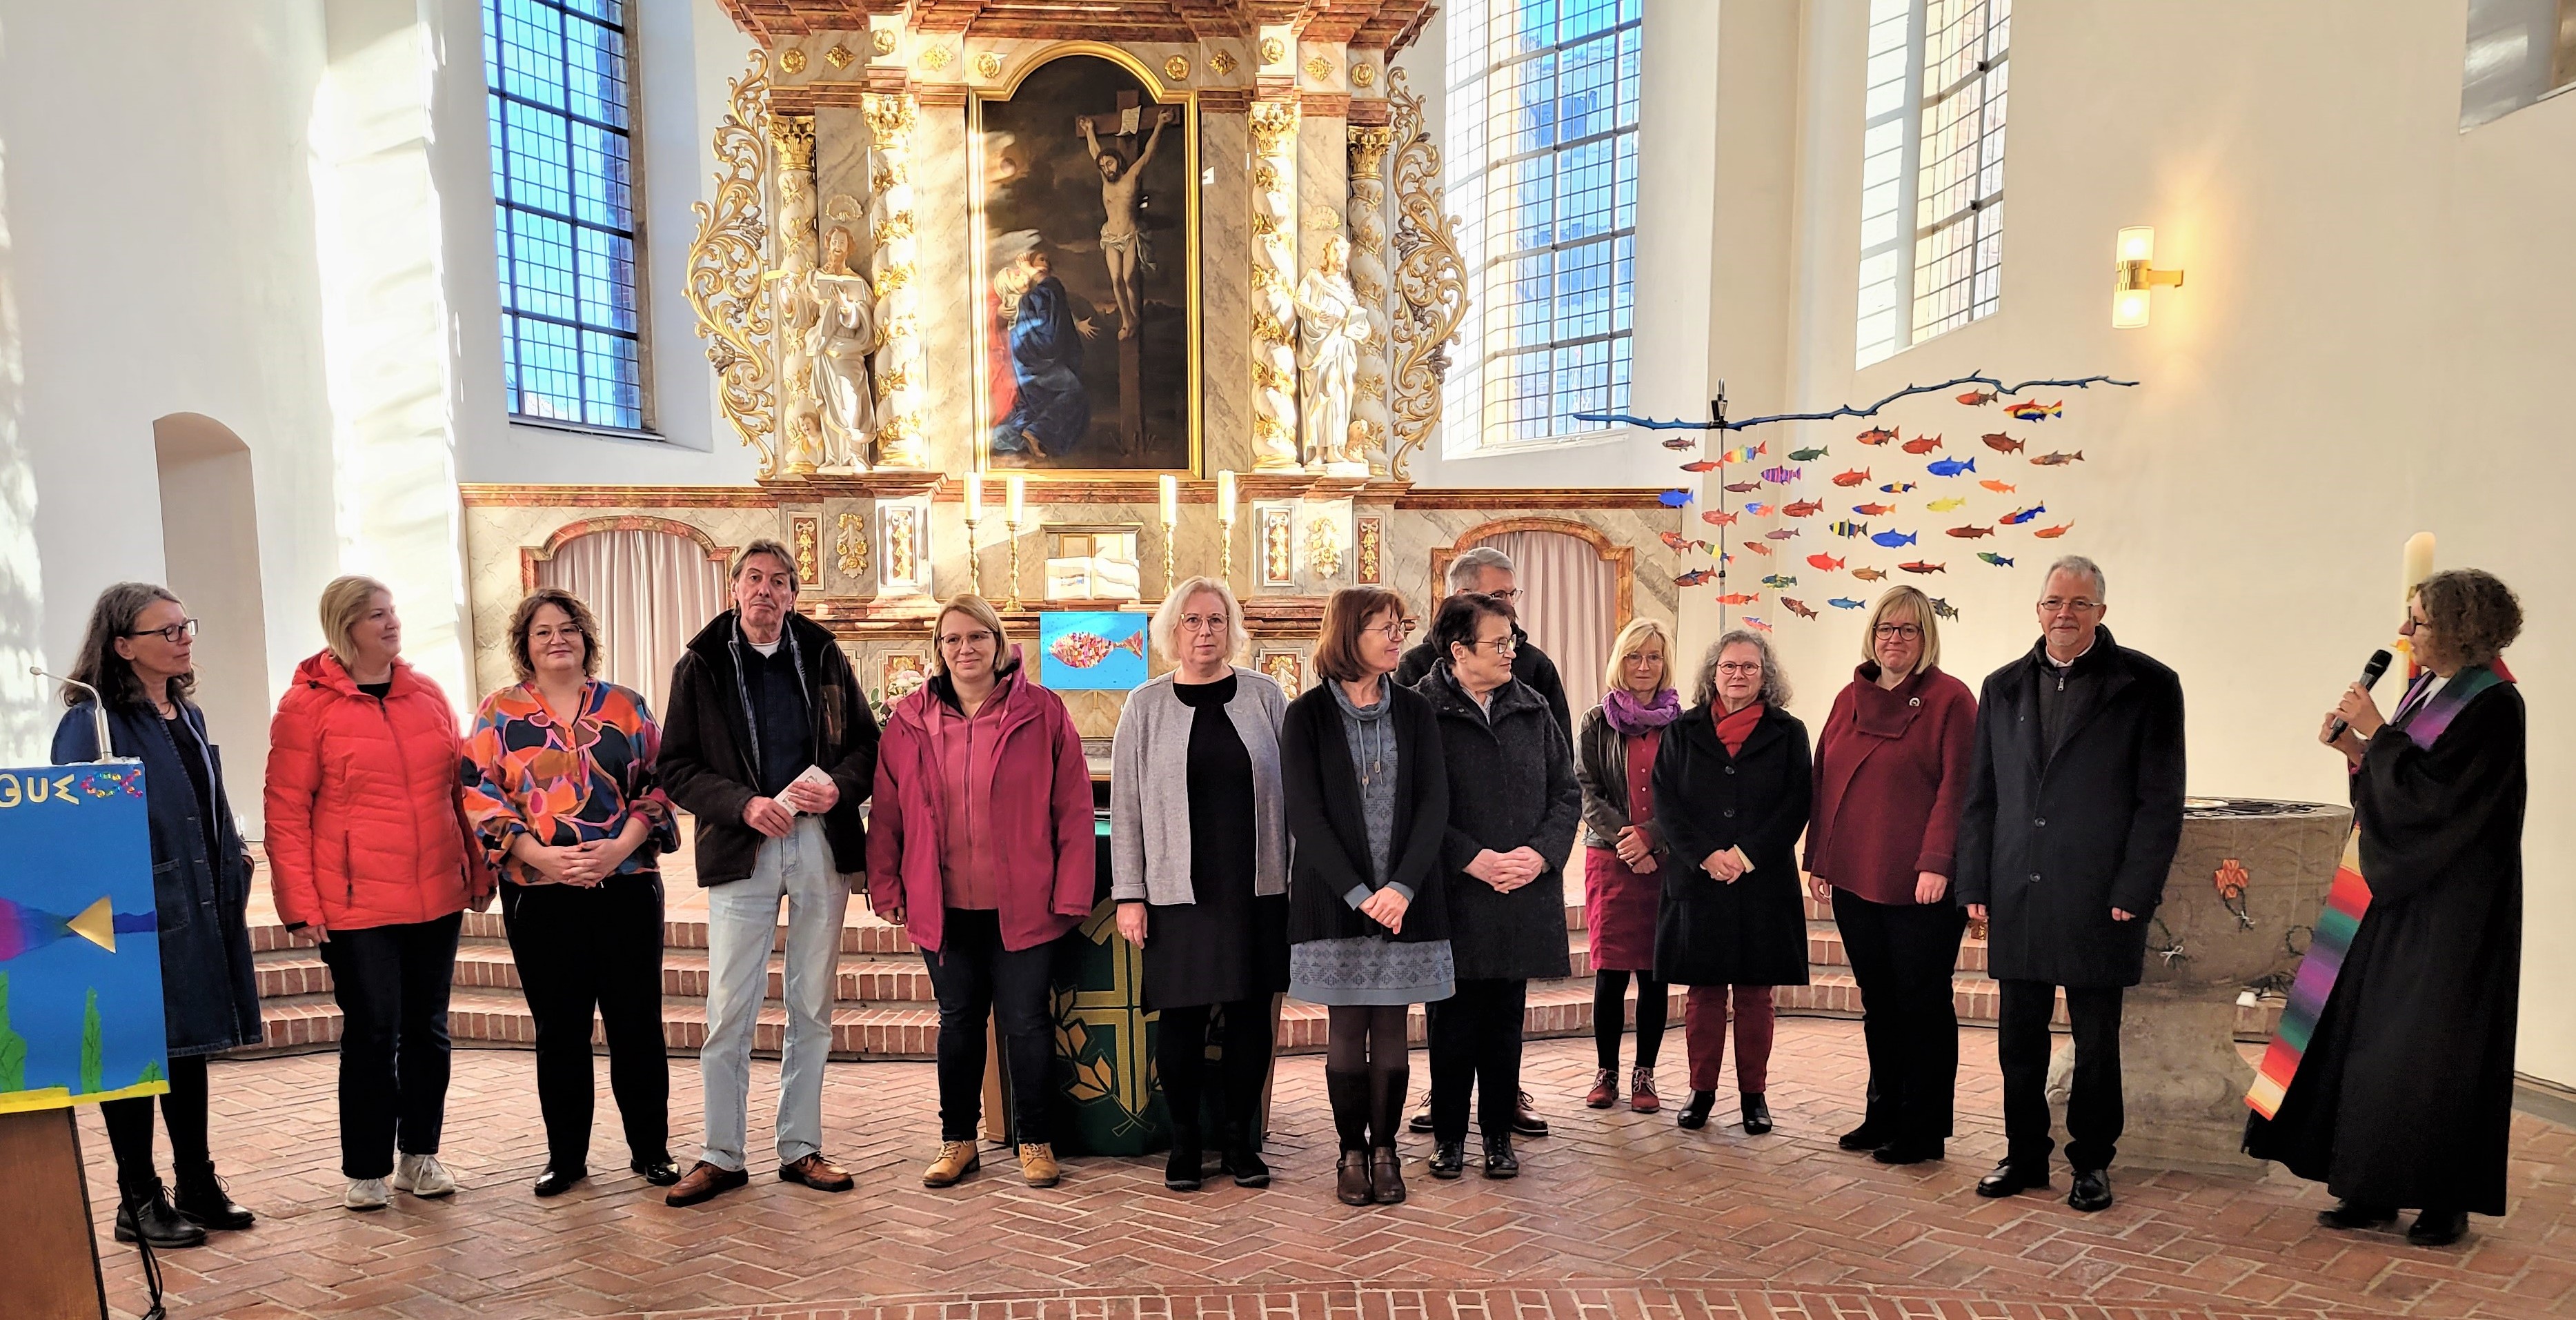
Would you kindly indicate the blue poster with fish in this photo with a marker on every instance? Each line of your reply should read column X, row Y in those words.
column 1092, row 650
column 80, row 946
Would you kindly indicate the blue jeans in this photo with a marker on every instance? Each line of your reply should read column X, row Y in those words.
column 976, row 979
column 742, row 922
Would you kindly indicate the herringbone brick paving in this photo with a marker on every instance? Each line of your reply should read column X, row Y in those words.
column 1618, row 1216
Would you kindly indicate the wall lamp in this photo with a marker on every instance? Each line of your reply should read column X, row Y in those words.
column 2137, row 274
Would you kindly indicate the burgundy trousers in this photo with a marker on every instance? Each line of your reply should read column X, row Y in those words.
column 1704, row 1031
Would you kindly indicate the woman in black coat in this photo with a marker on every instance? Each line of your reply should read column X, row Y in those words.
column 1733, row 782
column 1367, row 803
column 137, row 655
column 1513, row 807
column 2404, row 1096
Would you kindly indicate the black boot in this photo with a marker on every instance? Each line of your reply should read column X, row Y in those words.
column 1695, row 1114
column 1349, row 1094
column 1181, row 1170
column 203, row 1197
column 1757, row 1115
column 145, row 1214
column 1387, row 1094
column 1242, row 1155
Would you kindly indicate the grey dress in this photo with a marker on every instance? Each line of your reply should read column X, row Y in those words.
column 1370, row 969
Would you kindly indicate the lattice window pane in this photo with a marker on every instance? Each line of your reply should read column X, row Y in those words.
column 1932, row 168
column 559, row 107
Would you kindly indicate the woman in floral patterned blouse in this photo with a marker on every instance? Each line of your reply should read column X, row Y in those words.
column 560, row 787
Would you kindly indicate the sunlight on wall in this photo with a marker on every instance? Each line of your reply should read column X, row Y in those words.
column 24, row 728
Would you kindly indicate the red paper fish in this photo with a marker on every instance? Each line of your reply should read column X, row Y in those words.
column 1780, row 534
column 1704, row 465
column 2001, row 443
column 1760, row 510
column 1999, row 487
column 1977, row 398
column 1873, row 510
column 1797, row 606
column 1852, row 478
column 1802, row 508
column 1744, row 487
column 1739, row 598
column 1756, row 624
column 1918, row 566
column 2058, row 460
column 1971, row 533
column 1757, row 547
column 1922, row 444
column 1716, row 517
column 1869, row 574
column 1082, row 650
column 1679, row 543
column 1680, row 440
column 1826, row 562
column 1695, row 577
column 2052, row 533
column 1876, row 435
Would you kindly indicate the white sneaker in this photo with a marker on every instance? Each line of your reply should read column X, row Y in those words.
column 423, row 1176
column 366, row 1194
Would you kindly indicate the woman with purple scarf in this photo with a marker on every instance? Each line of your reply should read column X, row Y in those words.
column 1622, row 850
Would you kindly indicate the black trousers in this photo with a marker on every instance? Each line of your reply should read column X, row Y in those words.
column 1180, row 1055
column 2094, row 1114
column 391, row 983
column 183, row 1110
column 1476, row 1046
column 581, row 950
column 1902, row 955
column 977, row 980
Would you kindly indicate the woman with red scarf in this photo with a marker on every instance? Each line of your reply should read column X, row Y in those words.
column 1623, row 849
column 1732, row 786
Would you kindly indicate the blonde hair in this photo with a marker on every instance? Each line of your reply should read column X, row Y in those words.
column 981, row 611
column 345, row 602
column 1630, row 641
column 1911, row 598
column 1166, row 626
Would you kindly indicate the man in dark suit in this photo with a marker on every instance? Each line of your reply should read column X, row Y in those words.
column 2074, row 811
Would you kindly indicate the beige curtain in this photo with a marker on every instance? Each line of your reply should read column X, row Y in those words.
column 652, row 592
column 1570, row 605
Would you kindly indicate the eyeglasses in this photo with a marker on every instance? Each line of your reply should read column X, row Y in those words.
column 1504, row 645
column 174, row 634
column 1507, row 595
column 1393, row 629
column 955, row 640
column 2061, row 605
column 1740, row 667
column 1204, row 623
column 1907, row 631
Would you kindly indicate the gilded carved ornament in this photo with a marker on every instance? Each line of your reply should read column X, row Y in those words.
column 726, row 259
column 1429, row 277
column 1222, row 62
column 1273, row 51
column 791, row 60
column 882, row 41
column 851, row 544
column 1177, row 68
column 988, row 66
column 841, row 57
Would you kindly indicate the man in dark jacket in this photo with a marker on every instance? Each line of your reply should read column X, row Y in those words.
column 769, row 742
column 2073, row 814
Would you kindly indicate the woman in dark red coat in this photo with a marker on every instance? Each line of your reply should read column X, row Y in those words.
column 1891, row 772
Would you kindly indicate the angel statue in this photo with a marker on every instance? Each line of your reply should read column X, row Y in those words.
column 1331, row 326
column 843, row 332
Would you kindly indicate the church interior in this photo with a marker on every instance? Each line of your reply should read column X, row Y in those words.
column 1707, row 311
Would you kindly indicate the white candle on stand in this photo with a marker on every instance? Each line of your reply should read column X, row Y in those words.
column 1171, row 490
column 1015, row 496
column 974, row 497
column 1225, row 496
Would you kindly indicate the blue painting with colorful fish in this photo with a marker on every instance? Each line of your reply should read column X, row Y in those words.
column 80, row 945
column 1092, row 650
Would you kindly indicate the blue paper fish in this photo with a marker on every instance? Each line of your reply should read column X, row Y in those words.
column 2019, row 516
column 1944, row 609
column 1674, row 499
column 1951, row 467
column 1897, row 487
column 1894, row 539
column 1845, row 603
column 1999, row 561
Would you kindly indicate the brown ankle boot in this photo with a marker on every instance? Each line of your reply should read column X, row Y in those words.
column 1386, row 1173
column 1351, row 1181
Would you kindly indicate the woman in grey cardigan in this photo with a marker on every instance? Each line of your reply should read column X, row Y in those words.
column 1199, row 866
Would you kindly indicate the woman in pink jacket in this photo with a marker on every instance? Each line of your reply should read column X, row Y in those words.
column 980, row 844
column 368, row 853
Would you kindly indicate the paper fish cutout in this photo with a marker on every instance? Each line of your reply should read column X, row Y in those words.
column 2052, row 533
column 1755, row 624
column 1922, row 444
column 1951, row 467
column 1780, row 534
column 1945, row 505
column 2001, row 443
column 1695, row 577
column 1855, row 477
column 1869, row 574
column 1082, row 650
column 1757, row 547
column 1746, row 453
column 1943, row 609
column 1797, row 607
column 1977, row 398
column 2036, row 412
column 1674, row 499
column 1777, row 581
column 1802, row 508
column 1716, row 517
column 1971, row 533
column 1781, row 476
column 1876, row 435
column 1739, row 598
column 1680, row 543
column 1849, row 528
column 1760, row 510
column 1744, row 487
column 25, row 929
column 2058, row 460
column 1873, row 510
column 1999, row 561
column 1918, row 566
column 2019, row 516
column 1896, row 487
column 1826, row 562
column 1681, row 440
column 1845, row 603
column 1704, row 465
column 1894, row 539
column 2000, row 487
column 1808, row 455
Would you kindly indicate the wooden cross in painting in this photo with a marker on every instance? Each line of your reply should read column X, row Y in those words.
column 1122, row 168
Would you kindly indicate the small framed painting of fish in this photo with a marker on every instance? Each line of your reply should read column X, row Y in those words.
column 1092, row 650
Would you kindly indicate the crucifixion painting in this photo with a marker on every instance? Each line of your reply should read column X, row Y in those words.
column 1121, row 245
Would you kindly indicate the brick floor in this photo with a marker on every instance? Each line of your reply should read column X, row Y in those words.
column 1617, row 1217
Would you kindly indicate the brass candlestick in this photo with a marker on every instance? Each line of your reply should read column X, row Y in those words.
column 1014, row 603
column 1168, row 580
column 974, row 559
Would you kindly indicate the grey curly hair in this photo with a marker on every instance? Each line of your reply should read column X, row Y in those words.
column 1775, row 685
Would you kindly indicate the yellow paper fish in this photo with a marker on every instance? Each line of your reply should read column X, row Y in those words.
column 1944, row 506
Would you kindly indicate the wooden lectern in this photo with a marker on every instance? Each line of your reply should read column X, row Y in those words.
column 44, row 1216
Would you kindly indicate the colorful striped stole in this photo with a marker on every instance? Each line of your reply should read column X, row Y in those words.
column 2346, row 900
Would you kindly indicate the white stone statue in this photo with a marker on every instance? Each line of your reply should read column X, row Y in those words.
column 1331, row 326
column 843, row 332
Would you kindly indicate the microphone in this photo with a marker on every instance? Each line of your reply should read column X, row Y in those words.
column 2370, row 672
column 97, row 710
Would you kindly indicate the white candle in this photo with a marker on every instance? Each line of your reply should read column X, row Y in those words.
column 1171, row 490
column 974, row 497
column 1015, row 496
column 1225, row 496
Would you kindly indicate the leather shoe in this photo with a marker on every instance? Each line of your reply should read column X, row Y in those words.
column 1386, row 1175
column 1605, row 1090
column 149, row 1217
column 1351, row 1179
column 1181, row 1167
column 1525, row 1119
column 1500, row 1162
column 658, row 1172
column 556, row 1182
column 2092, row 1191
column 1448, row 1159
column 1247, row 1166
column 1910, row 1152
column 2010, row 1179
column 1695, row 1114
column 2438, row 1228
column 1421, row 1121
column 2351, row 1215
column 203, row 1197
column 1641, row 1092
column 703, row 1182
column 1868, row 1136
column 818, row 1173
column 956, row 1160
column 1757, row 1115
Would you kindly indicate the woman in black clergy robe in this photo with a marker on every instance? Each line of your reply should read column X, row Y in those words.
column 2404, row 1097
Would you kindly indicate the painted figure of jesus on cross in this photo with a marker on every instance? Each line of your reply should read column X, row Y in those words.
column 1119, row 180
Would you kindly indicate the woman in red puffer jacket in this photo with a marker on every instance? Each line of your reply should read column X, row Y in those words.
column 368, row 852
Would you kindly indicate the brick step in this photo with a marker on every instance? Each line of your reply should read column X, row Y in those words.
column 863, row 935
